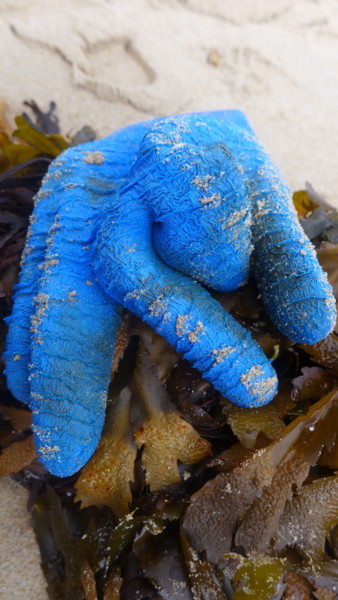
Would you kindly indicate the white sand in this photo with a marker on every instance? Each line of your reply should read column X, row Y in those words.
column 20, row 575
column 110, row 63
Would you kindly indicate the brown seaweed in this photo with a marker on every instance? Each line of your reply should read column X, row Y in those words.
column 183, row 482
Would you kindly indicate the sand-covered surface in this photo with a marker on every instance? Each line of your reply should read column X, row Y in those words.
column 108, row 63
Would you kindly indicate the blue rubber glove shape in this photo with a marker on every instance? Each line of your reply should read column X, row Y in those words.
column 140, row 220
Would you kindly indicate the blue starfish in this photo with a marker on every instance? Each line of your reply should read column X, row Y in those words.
column 140, row 220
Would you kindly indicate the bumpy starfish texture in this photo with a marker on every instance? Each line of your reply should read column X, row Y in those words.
column 140, row 220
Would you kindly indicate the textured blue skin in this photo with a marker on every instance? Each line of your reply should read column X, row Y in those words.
column 141, row 219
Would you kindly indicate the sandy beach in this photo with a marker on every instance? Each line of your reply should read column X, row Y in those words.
column 109, row 63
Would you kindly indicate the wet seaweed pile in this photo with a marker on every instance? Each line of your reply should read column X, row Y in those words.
column 187, row 496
